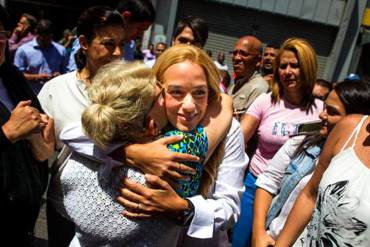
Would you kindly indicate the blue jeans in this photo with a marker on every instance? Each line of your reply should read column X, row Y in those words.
column 242, row 231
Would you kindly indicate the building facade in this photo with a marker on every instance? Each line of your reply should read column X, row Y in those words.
column 333, row 27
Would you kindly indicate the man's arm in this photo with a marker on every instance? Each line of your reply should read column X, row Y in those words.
column 37, row 77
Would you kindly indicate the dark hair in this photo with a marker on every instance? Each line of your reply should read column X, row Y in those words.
column 141, row 10
column 31, row 20
column 4, row 18
column 355, row 96
column 197, row 25
column 6, row 22
column 44, row 26
column 90, row 21
column 161, row 43
column 324, row 83
column 269, row 45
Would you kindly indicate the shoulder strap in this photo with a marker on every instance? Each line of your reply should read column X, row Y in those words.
column 358, row 128
column 355, row 132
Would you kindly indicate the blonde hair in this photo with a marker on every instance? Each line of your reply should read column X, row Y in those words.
column 307, row 60
column 180, row 53
column 121, row 95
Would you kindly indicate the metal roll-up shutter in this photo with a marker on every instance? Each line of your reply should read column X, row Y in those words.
column 228, row 22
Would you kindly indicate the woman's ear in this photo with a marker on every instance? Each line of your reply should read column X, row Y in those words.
column 152, row 127
column 84, row 44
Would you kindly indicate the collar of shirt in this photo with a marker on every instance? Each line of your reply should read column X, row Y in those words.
column 5, row 97
column 36, row 45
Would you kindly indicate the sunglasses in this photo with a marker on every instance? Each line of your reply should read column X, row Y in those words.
column 160, row 94
column 242, row 53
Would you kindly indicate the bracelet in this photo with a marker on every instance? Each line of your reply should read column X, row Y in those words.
column 187, row 215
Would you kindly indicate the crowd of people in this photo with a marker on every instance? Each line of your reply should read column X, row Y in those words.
column 170, row 149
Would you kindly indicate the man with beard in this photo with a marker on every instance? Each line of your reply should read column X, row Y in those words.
column 248, row 82
column 268, row 60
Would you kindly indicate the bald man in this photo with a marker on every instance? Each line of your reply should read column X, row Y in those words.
column 248, row 82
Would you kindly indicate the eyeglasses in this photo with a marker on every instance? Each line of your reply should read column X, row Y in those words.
column 184, row 40
column 111, row 44
column 4, row 35
column 242, row 53
column 161, row 90
column 160, row 94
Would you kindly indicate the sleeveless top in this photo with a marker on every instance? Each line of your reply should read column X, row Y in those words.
column 89, row 199
column 342, row 212
column 194, row 142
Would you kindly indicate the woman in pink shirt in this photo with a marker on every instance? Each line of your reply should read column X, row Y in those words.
column 274, row 117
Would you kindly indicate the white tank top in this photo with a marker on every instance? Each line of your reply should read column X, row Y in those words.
column 342, row 212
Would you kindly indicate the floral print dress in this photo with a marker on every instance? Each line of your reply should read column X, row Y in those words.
column 342, row 213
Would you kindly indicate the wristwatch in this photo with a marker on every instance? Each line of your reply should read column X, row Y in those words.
column 186, row 216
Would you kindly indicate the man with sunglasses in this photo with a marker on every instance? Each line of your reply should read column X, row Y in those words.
column 248, row 82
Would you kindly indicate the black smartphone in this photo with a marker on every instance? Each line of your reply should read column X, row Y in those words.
column 309, row 127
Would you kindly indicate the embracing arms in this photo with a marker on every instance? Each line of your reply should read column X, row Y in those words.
column 155, row 158
column 219, row 211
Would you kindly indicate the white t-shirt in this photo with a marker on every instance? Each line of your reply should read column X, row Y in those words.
column 64, row 98
column 270, row 180
column 221, row 66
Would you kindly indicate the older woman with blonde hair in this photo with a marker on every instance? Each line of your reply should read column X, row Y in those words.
column 122, row 97
column 274, row 117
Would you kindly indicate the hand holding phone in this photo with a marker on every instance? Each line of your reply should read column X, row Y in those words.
column 310, row 127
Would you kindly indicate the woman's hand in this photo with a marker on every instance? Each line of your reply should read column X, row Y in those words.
column 262, row 239
column 43, row 144
column 145, row 202
column 155, row 158
column 23, row 121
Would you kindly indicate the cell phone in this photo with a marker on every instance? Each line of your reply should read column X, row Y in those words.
column 309, row 127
